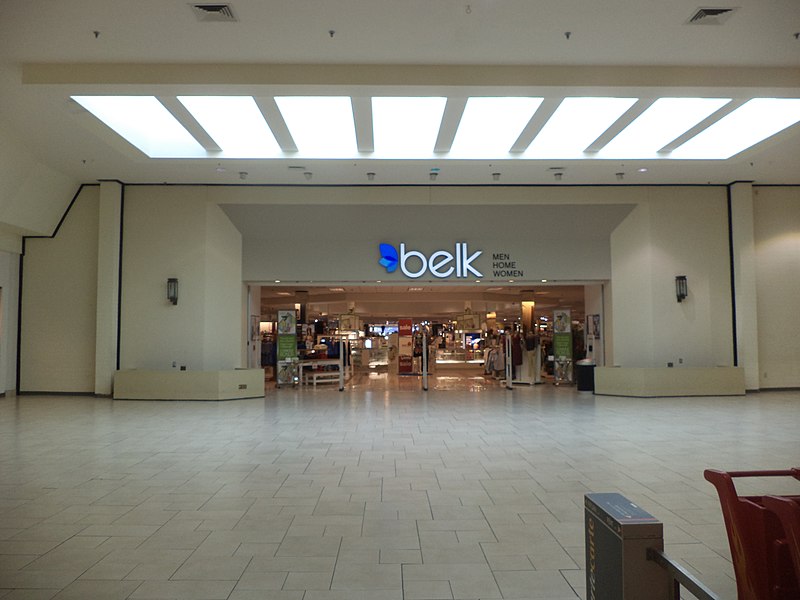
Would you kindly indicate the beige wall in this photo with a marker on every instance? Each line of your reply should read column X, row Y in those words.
column 173, row 232
column 33, row 196
column 9, row 300
column 777, row 241
column 59, row 300
column 674, row 231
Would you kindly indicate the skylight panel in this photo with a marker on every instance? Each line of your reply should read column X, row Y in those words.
column 576, row 123
column 235, row 123
column 661, row 123
column 751, row 123
column 406, row 127
column 144, row 122
column 321, row 126
column 490, row 126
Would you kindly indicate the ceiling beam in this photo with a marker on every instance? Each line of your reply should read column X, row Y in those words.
column 453, row 111
column 272, row 115
column 187, row 120
column 362, row 118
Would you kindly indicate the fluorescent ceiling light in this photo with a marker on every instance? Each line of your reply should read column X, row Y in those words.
column 145, row 123
column 661, row 123
column 321, row 126
column 751, row 123
column 235, row 123
column 576, row 123
column 406, row 127
column 490, row 126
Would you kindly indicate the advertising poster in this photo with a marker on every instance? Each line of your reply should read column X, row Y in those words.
column 562, row 346
column 405, row 352
column 562, row 322
column 287, row 347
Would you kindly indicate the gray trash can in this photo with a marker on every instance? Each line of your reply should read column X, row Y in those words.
column 584, row 375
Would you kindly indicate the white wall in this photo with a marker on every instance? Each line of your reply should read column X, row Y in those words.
column 172, row 232
column 777, row 242
column 59, row 298
column 675, row 231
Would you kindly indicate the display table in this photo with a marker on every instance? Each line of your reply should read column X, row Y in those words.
column 321, row 375
column 137, row 384
column 665, row 381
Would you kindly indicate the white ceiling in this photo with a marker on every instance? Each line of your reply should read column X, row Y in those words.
column 492, row 47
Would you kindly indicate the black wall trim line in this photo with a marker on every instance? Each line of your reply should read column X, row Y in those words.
column 732, row 256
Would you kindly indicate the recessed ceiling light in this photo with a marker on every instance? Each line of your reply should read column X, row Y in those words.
column 336, row 289
column 490, row 126
column 283, row 293
column 665, row 120
column 406, row 127
column 544, row 280
column 145, row 123
column 576, row 123
column 277, row 281
column 321, row 126
column 751, row 123
column 415, row 289
column 235, row 123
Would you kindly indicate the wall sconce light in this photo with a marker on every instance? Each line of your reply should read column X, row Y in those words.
column 172, row 290
column 681, row 287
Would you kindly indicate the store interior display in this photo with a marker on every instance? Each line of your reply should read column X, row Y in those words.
column 467, row 342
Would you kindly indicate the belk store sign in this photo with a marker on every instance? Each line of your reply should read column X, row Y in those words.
column 461, row 263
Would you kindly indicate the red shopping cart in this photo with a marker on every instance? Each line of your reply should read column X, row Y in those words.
column 760, row 548
column 788, row 511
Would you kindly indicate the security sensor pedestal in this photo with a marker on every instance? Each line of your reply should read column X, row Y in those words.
column 618, row 534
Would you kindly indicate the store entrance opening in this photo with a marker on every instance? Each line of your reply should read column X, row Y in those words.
column 469, row 337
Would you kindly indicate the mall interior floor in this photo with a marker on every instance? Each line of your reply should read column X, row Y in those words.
column 315, row 494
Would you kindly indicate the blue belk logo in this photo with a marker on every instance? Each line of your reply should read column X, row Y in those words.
column 389, row 258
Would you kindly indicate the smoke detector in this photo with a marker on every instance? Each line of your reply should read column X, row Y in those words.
column 711, row 16
column 213, row 12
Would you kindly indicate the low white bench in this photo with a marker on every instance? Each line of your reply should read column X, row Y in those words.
column 322, row 377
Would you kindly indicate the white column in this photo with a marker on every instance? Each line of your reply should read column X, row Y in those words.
column 108, row 249
column 745, row 281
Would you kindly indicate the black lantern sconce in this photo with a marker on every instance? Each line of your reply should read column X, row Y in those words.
column 681, row 287
column 172, row 290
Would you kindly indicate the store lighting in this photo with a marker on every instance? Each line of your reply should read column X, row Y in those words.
column 321, row 126
column 406, row 127
column 576, row 123
column 490, row 126
column 751, row 123
column 172, row 290
column 665, row 120
column 153, row 130
column 235, row 123
column 681, row 287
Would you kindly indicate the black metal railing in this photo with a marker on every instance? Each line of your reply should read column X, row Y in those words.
column 680, row 577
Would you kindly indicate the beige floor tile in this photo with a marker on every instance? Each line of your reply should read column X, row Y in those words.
column 307, row 581
column 98, row 590
column 221, row 568
column 547, row 585
column 399, row 481
column 183, row 590
column 427, row 590
column 354, row 576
